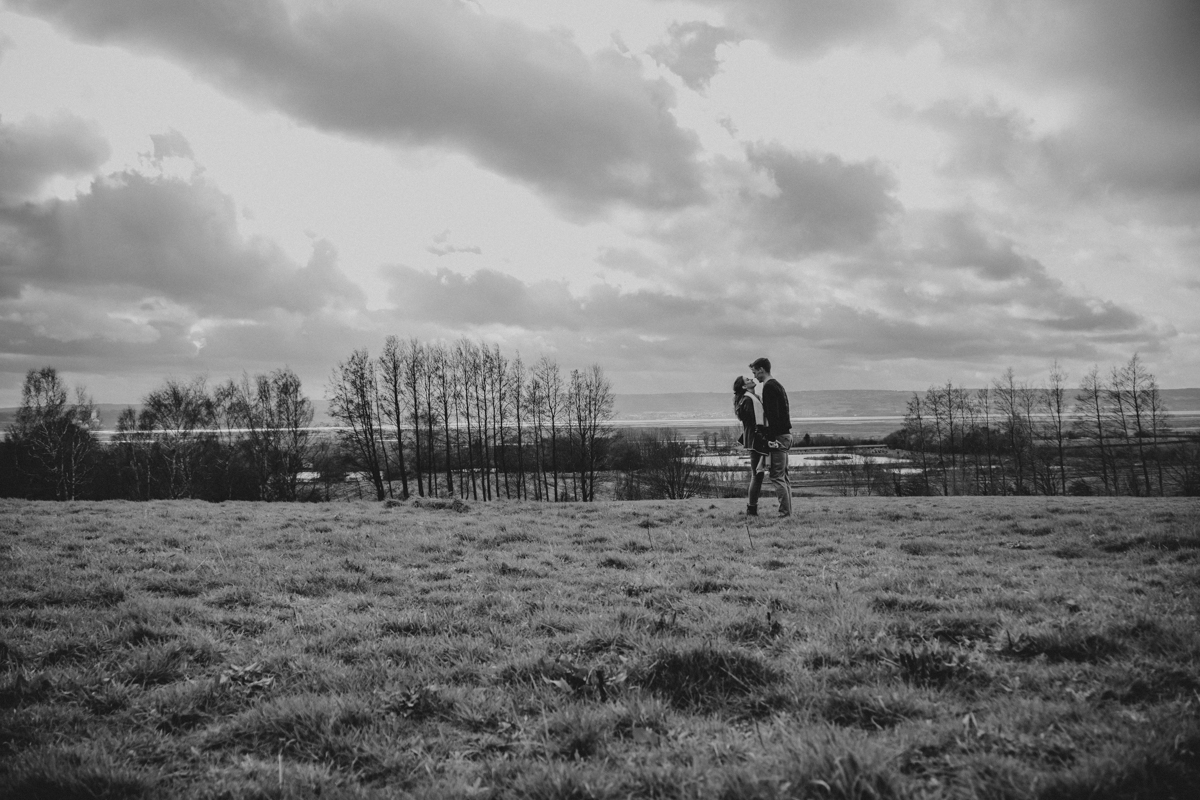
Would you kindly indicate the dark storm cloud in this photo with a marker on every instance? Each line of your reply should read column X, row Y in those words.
column 35, row 150
column 691, row 52
column 161, row 236
column 587, row 131
column 822, row 202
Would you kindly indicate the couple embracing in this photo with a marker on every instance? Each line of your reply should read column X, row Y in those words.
column 761, row 405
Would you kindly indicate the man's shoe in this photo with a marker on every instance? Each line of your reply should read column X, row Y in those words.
column 751, row 511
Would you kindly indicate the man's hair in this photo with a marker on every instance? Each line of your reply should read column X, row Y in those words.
column 765, row 363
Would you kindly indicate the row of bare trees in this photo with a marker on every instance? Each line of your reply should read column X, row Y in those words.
column 244, row 439
column 1109, row 436
column 464, row 420
column 247, row 439
column 51, row 442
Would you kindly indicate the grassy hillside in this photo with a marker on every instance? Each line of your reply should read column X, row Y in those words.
column 866, row 648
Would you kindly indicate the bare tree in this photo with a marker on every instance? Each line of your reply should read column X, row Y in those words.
column 1027, row 405
column 445, row 389
column 270, row 416
column 414, row 373
column 591, row 410
column 466, row 356
column 1008, row 404
column 353, row 403
column 1090, row 421
column 937, row 414
column 1056, row 408
column 1137, row 380
column 553, row 397
column 134, row 447
column 430, row 414
column 517, row 382
column 497, row 378
column 1119, row 411
column 1158, row 415
column 535, row 401
column 180, row 415
column 52, row 438
column 914, row 425
column 392, row 372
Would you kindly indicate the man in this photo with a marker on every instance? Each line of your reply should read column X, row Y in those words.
column 748, row 408
column 778, row 431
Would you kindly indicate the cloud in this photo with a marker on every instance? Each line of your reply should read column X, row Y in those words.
column 486, row 298
column 955, row 241
column 785, row 204
column 36, row 149
column 1130, row 71
column 629, row 260
column 483, row 298
column 809, row 27
column 986, row 139
column 442, row 247
column 1145, row 51
column 691, row 52
column 446, row 250
column 139, row 275
column 158, row 236
column 171, row 144
column 822, row 202
column 981, row 290
column 957, row 297
column 586, row 131
column 143, row 277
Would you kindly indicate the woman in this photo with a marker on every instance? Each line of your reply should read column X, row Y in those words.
column 748, row 408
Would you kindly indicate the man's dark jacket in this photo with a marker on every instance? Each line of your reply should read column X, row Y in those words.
column 776, row 409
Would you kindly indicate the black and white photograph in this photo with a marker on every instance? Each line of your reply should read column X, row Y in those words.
column 679, row 399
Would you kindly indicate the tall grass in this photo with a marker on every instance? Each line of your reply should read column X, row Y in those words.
column 865, row 648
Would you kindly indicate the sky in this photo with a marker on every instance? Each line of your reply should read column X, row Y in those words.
column 873, row 194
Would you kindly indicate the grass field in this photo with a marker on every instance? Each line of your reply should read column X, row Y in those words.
column 866, row 648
